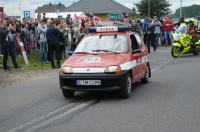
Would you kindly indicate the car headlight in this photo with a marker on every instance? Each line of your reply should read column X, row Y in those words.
column 66, row 69
column 113, row 69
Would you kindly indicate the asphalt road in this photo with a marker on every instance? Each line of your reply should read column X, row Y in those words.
column 168, row 103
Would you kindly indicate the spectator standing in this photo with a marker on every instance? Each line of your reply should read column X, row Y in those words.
column 91, row 15
column 68, row 20
column 42, row 29
column 76, row 36
column 0, row 40
column 157, row 30
column 144, row 29
column 139, row 27
column 133, row 24
column 44, row 16
column 25, row 35
column 62, row 40
column 69, row 38
column 167, row 27
column 39, row 16
column 7, row 40
column 53, row 42
column 150, row 37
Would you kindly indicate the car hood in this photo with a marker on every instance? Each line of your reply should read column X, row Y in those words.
column 100, row 60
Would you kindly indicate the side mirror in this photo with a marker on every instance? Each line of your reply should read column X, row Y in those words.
column 136, row 51
column 70, row 52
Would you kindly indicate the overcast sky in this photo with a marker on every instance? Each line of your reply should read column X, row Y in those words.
column 12, row 6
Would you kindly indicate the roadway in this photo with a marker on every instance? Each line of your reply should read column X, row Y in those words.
column 168, row 103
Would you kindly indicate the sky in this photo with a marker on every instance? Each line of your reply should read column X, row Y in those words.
column 11, row 7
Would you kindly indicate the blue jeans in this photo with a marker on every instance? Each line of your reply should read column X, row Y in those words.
column 43, row 52
column 156, row 39
column 168, row 36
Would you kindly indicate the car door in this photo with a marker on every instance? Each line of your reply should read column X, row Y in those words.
column 141, row 63
column 136, row 57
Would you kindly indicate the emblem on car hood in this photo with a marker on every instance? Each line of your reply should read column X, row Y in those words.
column 92, row 59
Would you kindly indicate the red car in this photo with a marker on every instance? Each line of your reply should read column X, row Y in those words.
column 107, row 59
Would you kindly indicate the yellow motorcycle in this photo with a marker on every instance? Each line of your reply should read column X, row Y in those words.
column 183, row 43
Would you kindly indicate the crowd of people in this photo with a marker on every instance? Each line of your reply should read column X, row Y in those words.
column 56, row 37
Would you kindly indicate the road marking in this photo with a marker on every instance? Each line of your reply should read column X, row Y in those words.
column 162, row 64
column 60, row 116
column 49, row 118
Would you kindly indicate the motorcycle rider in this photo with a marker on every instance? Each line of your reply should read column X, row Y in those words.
column 193, row 31
column 192, row 28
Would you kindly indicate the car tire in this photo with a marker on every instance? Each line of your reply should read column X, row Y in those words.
column 67, row 93
column 127, row 89
column 147, row 75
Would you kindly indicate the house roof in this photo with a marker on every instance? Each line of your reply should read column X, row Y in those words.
column 98, row 7
column 51, row 8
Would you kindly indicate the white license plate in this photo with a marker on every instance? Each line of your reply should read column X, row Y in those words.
column 88, row 82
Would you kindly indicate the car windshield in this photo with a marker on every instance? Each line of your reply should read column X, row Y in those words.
column 103, row 43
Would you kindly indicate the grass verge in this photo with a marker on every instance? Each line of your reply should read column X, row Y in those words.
column 34, row 62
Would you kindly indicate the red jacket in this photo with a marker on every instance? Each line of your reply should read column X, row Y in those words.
column 168, row 25
column 192, row 31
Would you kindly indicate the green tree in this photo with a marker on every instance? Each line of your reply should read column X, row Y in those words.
column 157, row 7
column 134, row 10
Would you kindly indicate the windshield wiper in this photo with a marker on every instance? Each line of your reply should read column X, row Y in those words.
column 106, row 51
column 84, row 53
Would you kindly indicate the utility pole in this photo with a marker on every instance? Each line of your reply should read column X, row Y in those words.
column 3, row 3
column 149, row 8
column 37, row 4
column 20, row 10
column 181, row 1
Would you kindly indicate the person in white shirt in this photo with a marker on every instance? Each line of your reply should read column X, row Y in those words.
column 42, row 29
column 157, row 30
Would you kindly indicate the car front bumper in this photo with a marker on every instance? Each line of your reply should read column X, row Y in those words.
column 109, row 82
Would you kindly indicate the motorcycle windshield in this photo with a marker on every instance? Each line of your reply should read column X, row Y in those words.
column 182, row 29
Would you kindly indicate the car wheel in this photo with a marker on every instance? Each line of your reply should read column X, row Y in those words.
column 127, row 89
column 67, row 93
column 147, row 75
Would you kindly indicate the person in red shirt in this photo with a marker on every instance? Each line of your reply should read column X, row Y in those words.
column 168, row 27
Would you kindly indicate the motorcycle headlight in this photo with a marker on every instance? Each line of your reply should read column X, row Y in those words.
column 113, row 69
column 66, row 70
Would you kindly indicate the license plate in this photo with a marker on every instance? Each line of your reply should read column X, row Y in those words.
column 88, row 82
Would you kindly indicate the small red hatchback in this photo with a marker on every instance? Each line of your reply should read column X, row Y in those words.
column 107, row 59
